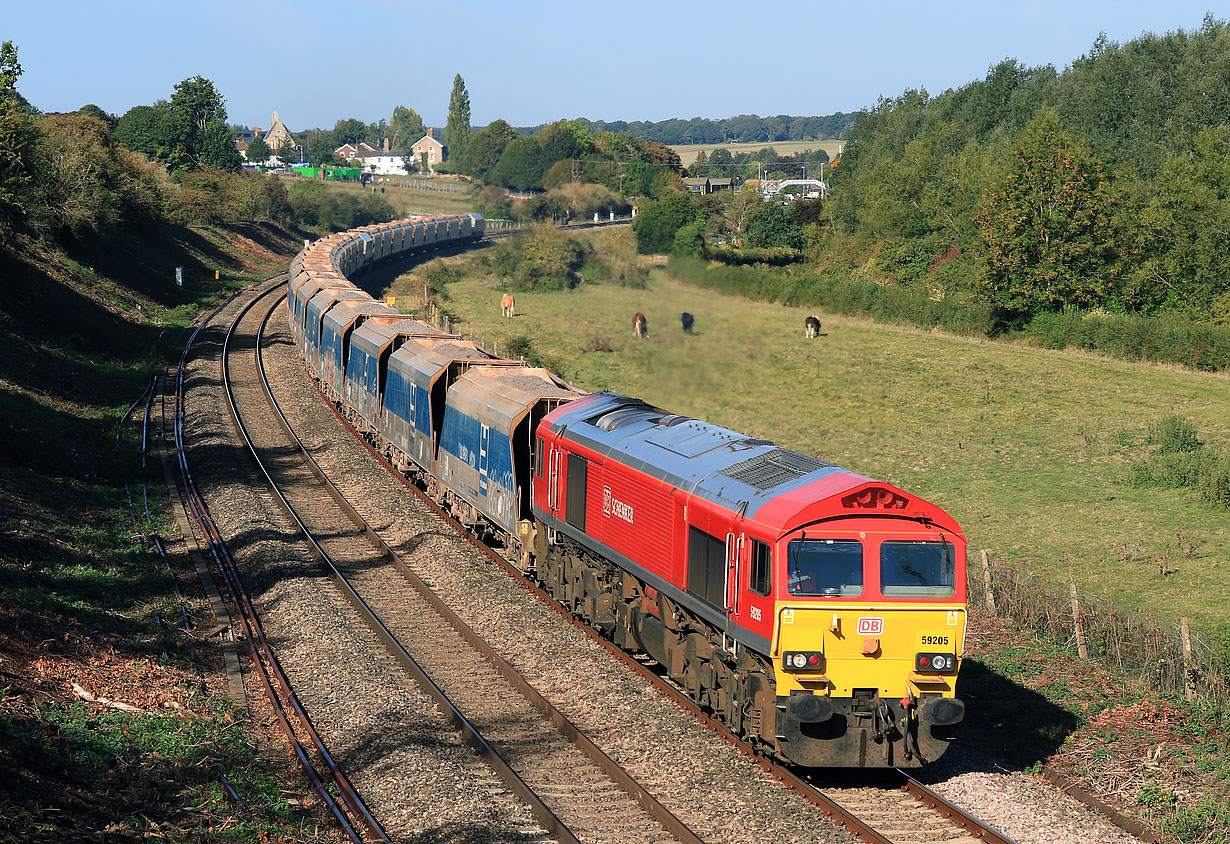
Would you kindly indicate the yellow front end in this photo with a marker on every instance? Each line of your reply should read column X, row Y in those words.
column 865, row 702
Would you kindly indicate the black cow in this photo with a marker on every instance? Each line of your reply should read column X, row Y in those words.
column 687, row 319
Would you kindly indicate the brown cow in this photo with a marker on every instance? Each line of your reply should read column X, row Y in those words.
column 812, row 326
column 507, row 304
column 639, row 327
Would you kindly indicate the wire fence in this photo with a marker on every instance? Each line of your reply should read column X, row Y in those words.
column 1172, row 659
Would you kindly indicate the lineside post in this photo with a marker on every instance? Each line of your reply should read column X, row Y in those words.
column 986, row 578
column 1079, row 621
column 1188, row 672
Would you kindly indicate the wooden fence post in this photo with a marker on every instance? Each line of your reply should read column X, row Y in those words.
column 1188, row 674
column 1081, row 647
column 986, row 578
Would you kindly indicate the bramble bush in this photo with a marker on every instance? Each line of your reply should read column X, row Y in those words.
column 1180, row 460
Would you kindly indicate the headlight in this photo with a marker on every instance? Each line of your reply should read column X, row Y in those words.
column 935, row 662
column 800, row 660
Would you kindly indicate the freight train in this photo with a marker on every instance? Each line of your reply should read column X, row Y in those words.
column 819, row 613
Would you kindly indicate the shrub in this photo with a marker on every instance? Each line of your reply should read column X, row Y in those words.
column 1173, row 435
column 886, row 303
column 1169, row 338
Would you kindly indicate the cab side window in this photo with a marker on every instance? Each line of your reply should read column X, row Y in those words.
column 538, row 457
column 760, row 577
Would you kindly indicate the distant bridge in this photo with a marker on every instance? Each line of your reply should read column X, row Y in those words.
column 814, row 187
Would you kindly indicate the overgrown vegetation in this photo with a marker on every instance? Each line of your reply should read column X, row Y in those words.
column 545, row 258
column 1180, row 460
column 1033, row 190
column 106, row 729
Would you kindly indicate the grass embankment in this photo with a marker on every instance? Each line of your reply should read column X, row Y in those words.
column 688, row 152
column 1031, row 450
column 407, row 202
column 85, row 597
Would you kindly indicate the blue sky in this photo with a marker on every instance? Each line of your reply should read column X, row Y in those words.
column 532, row 62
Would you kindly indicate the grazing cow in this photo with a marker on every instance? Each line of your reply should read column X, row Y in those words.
column 812, row 324
column 687, row 319
column 639, row 327
column 507, row 304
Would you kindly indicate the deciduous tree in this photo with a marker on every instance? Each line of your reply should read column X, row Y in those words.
column 1047, row 228
column 198, row 124
column 405, row 127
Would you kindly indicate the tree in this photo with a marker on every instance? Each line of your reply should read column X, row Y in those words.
column 287, row 152
column 457, row 129
column 258, row 150
column 19, row 146
column 520, row 165
column 145, row 129
column 485, row 149
column 770, row 225
column 405, row 127
column 561, row 140
column 348, row 130
column 199, row 128
column 91, row 110
column 319, row 148
column 1047, row 228
column 659, row 222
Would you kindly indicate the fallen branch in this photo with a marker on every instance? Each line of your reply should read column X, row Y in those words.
column 102, row 701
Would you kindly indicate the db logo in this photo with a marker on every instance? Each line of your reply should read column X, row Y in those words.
column 870, row 626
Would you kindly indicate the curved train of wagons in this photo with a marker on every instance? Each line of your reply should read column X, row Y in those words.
column 820, row 614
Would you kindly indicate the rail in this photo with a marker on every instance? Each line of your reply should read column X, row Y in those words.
column 515, row 783
column 258, row 646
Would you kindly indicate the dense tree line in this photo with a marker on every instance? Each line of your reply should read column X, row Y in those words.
column 88, row 173
column 742, row 128
column 566, row 152
column 1104, row 186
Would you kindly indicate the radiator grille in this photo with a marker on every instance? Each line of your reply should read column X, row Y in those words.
column 774, row 468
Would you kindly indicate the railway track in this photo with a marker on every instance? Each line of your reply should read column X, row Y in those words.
column 902, row 811
column 573, row 789
column 348, row 808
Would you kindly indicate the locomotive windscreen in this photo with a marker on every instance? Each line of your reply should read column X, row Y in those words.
column 829, row 567
column 918, row 569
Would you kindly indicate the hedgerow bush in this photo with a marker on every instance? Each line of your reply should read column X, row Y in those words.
column 886, row 303
column 1170, row 338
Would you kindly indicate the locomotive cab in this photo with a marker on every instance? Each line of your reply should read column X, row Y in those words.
column 868, row 629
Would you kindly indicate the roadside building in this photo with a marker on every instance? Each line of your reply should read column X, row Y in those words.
column 384, row 162
column 428, row 148
column 349, row 152
column 702, row 185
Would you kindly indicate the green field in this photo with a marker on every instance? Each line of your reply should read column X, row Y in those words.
column 408, row 201
column 1028, row 448
column 688, row 152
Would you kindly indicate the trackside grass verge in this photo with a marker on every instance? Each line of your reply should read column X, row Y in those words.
column 106, row 730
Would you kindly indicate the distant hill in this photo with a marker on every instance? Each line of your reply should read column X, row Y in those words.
column 742, row 128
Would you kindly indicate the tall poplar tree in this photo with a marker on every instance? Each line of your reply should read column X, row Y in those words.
column 457, row 130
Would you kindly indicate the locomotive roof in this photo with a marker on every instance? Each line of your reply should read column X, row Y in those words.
column 717, row 464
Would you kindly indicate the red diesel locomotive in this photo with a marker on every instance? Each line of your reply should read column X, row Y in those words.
column 816, row 611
